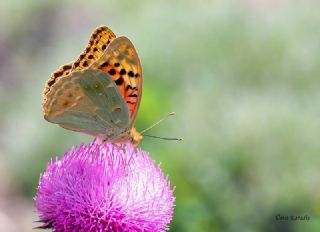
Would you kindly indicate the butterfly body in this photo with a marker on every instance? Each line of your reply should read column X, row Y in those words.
column 98, row 94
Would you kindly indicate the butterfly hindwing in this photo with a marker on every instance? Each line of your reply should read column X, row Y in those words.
column 121, row 62
column 87, row 101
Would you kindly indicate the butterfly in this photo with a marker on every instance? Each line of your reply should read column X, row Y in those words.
column 100, row 92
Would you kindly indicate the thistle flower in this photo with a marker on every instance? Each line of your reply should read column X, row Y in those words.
column 104, row 187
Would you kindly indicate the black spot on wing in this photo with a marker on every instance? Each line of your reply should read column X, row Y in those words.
column 66, row 67
column 131, row 74
column 130, row 87
column 119, row 81
column 57, row 74
column 112, row 72
column 105, row 64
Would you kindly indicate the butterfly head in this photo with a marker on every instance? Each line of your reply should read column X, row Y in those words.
column 136, row 137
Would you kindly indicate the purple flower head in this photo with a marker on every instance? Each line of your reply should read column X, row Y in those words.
column 104, row 187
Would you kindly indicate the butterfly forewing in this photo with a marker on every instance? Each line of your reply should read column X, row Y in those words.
column 99, row 41
column 60, row 72
column 87, row 101
column 121, row 61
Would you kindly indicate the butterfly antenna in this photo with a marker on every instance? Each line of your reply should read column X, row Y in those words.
column 161, row 120
column 164, row 138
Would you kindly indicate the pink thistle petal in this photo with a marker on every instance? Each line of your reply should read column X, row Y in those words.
column 104, row 187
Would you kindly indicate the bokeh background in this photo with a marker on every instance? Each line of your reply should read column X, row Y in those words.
column 242, row 76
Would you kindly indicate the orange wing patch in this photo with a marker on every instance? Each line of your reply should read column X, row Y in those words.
column 122, row 63
column 62, row 71
column 99, row 41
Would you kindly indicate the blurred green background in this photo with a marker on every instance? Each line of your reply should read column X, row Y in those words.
column 242, row 76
